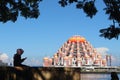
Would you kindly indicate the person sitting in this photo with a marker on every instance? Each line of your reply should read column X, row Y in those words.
column 17, row 58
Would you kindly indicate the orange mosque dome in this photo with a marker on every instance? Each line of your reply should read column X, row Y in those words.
column 76, row 39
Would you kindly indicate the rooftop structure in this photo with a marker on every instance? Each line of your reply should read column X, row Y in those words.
column 75, row 52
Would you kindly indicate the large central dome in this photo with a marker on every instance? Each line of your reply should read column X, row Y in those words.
column 76, row 39
column 76, row 51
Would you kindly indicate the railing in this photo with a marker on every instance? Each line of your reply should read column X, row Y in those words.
column 39, row 73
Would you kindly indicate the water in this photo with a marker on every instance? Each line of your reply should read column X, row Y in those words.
column 96, row 76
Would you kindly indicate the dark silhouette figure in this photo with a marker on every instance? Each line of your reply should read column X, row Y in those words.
column 17, row 58
column 114, row 76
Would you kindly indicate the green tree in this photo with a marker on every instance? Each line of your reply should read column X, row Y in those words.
column 112, row 9
column 11, row 9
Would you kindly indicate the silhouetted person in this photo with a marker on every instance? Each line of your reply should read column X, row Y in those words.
column 114, row 76
column 17, row 58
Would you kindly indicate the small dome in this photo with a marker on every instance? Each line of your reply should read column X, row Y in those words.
column 104, row 61
column 65, row 58
column 45, row 58
column 86, row 56
column 93, row 54
column 99, row 56
column 55, row 56
column 70, row 56
column 50, row 60
column 78, row 59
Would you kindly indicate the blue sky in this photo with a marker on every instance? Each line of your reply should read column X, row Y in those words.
column 43, row 36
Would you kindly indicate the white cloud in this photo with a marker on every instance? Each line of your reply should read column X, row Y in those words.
column 4, row 57
column 105, row 51
column 102, row 50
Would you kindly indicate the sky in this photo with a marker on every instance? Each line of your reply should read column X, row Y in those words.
column 44, row 36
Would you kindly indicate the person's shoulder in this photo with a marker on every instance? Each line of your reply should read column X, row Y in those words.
column 16, row 55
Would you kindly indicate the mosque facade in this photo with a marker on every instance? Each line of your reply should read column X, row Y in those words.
column 76, row 52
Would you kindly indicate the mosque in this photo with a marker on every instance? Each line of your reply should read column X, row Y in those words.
column 76, row 52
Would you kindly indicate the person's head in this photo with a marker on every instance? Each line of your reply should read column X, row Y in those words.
column 20, row 51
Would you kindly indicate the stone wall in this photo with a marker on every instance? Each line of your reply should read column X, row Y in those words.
column 39, row 73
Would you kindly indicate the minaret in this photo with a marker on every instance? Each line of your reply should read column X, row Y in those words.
column 110, row 60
